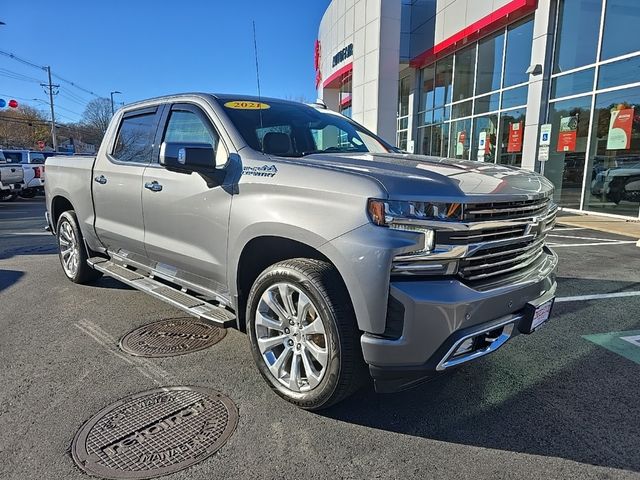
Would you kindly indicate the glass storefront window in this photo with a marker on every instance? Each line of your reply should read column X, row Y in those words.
column 515, row 97
column 428, row 87
column 464, row 73
column 489, row 64
column 460, row 139
column 569, row 131
column 511, row 137
column 572, row 84
column 518, row 55
column 488, row 103
column 441, row 114
column 459, row 110
column 619, row 73
column 577, row 34
column 403, row 96
column 440, row 140
column 620, row 23
column 613, row 172
column 485, row 132
column 424, row 139
column 443, row 80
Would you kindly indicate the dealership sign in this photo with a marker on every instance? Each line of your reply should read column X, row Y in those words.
column 317, row 55
column 343, row 54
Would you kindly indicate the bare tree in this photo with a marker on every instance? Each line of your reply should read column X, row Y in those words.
column 96, row 118
column 23, row 127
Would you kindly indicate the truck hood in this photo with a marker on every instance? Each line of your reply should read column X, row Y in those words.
column 407, row 176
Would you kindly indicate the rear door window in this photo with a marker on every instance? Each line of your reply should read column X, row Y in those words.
column 13, row 157
column 36, row 158
column 135, row 138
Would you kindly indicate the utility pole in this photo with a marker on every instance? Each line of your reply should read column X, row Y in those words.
column 50, row 88
column 112, row 107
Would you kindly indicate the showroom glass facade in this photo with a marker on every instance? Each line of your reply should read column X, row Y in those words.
column 594, row 107
column 404, row 91
column 472, row 103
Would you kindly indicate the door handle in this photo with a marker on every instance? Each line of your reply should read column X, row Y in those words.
column 153, row 186
column 101, row 179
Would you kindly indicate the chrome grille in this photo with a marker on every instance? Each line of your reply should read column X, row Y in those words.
column 482, row 235
column 506, row 210
column 491, row 262
column 500, row 257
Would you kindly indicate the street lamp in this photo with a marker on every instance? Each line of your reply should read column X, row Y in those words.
column 112, row 109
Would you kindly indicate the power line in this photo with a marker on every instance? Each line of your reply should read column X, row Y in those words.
column 21, row 60
column 18, row 76
column 41, row 67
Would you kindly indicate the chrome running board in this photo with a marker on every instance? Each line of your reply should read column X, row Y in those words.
column 190, row 304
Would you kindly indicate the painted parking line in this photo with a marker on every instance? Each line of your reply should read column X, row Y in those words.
column 625, row 344
column 584, row 238
column 21, row 234
column 618, row 242
column 599, row 296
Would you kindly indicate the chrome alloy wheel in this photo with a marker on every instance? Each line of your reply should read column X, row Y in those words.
column 69, row 249
column 291, row 337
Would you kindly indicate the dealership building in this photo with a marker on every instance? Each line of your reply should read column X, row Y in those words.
column 548, row 85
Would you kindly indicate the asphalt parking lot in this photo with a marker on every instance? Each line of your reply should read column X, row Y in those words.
column 561, row 403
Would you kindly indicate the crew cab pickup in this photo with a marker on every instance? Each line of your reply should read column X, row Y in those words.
column 338, row 254
column 32, row 164
column 11, row 178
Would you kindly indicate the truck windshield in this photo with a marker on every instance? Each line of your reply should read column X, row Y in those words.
column 295, row 129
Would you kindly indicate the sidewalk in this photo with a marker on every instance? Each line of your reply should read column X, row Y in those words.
column 627, row 228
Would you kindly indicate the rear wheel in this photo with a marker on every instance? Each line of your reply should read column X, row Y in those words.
column 8, row 196
column 28, row 193
column 73, row 254
column 303, row 333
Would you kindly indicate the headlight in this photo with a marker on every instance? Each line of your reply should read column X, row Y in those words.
column 390, row 212
column 404, row 215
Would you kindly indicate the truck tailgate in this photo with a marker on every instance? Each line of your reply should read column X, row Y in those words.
column 11, row 174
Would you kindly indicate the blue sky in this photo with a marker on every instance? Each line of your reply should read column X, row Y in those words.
column 146, row 48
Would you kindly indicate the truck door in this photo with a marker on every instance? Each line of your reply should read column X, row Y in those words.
column 117, row 181
column 185, row 220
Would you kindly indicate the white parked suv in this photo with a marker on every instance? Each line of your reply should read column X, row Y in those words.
column 33, row 167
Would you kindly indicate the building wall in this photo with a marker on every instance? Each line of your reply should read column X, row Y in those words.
column 454, row 16
column 373, row 28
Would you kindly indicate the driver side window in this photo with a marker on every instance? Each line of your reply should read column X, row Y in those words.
column 187, row 127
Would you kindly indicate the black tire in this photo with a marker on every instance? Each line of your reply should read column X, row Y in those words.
column 28, row 193
column 345, row 371
column 8, row 197
column 82, row 273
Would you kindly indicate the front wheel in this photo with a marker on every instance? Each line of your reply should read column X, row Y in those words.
column 73, row 254
column 303, row 333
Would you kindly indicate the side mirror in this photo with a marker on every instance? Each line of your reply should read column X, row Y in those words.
column 187, row 157
column 192, row 157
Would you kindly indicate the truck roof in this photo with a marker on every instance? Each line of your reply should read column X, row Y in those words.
column 218, row 96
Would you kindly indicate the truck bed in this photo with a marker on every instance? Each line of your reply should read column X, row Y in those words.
column 69, row 177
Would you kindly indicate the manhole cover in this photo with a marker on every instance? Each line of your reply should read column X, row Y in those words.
column 155, row 433
column 171, row 337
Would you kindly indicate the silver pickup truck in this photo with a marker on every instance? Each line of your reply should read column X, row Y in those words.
column 11, row 179
column 333, row 250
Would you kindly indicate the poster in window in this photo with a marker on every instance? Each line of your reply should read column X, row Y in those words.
column 568, row 134
column 515, row 137
column 620, row 127
column 462, row 137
